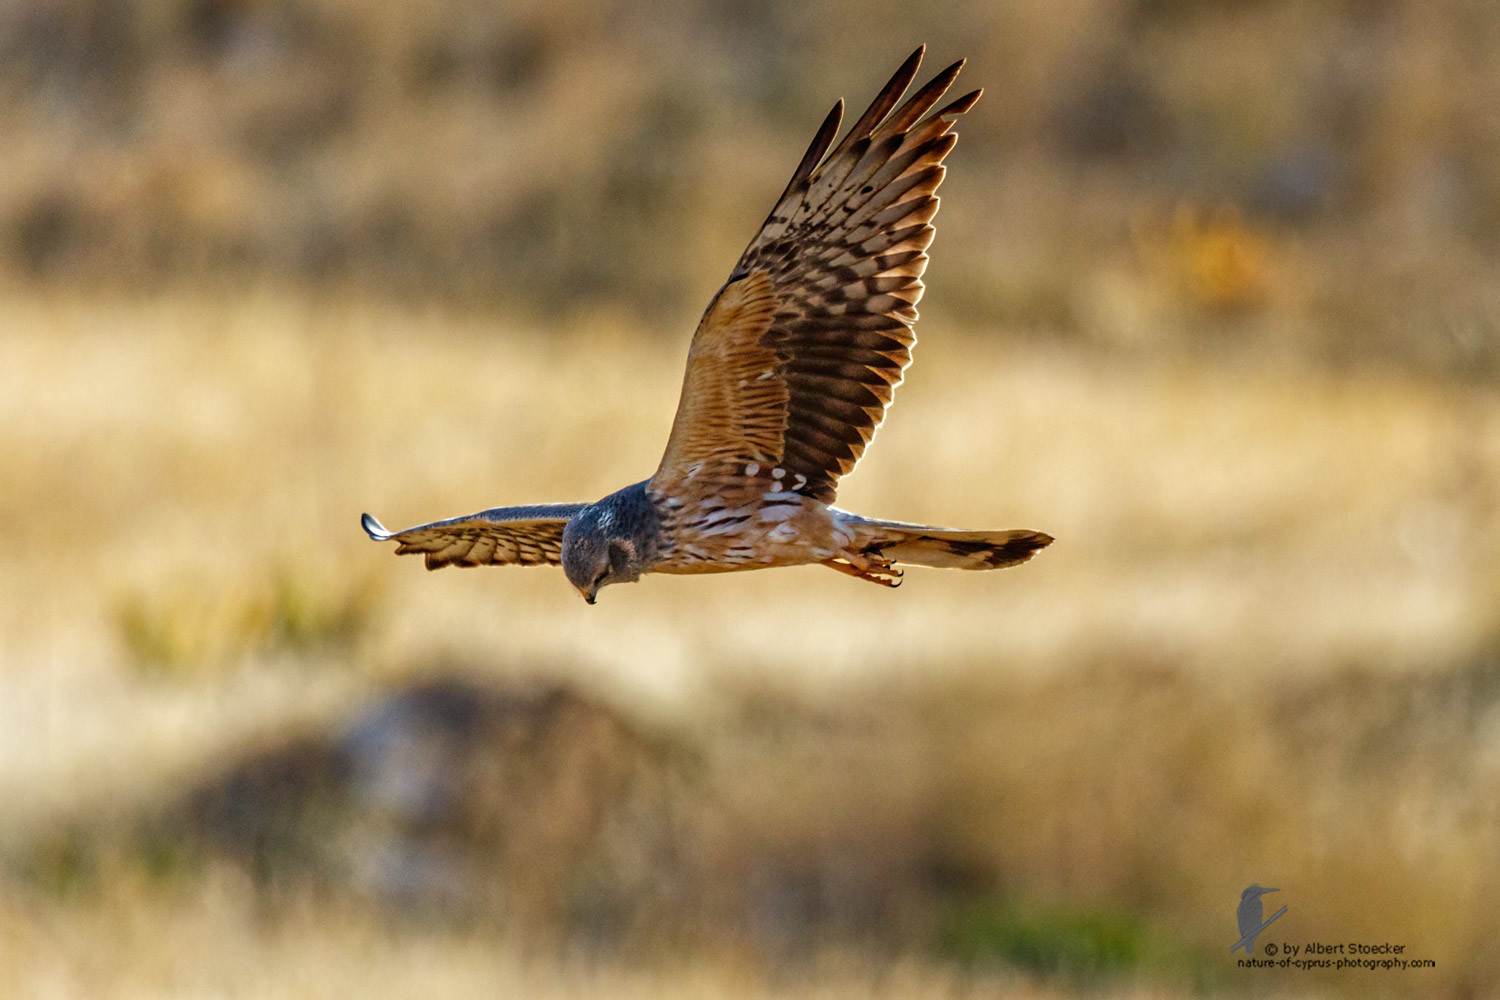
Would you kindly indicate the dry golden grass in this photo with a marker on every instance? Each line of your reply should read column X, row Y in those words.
column 597, row 151
column 185, row 576
column 1213, row 303
column 202, row 448
column 215, row 943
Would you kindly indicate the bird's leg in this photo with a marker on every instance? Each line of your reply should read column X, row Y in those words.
column 871, row 566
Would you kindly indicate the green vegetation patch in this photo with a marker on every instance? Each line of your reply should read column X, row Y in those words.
column 1048, row 940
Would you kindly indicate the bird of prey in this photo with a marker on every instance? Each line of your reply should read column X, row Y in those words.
column 788, row 376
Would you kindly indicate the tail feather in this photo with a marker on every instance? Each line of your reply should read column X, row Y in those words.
column 949, row 548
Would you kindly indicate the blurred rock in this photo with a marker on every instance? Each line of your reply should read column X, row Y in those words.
column 1299, row 182
column 532, row 805
column 1114, row 112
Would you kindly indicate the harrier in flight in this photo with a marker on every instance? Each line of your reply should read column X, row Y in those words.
column 788, row 376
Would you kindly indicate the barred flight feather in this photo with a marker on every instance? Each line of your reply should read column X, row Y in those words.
column 521, row 536
column 835, row 275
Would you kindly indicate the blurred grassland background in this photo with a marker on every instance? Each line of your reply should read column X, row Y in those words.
column 1214, row 300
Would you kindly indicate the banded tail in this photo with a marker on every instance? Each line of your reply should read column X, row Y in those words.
column 944, row 548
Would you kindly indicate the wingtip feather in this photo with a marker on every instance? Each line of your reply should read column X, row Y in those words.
column 374, row 528
column 962, row 104
column 1043, row 539
column 884, row 101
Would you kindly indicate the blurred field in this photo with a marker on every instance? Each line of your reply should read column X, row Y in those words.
column 1213, row 301
column 1241, row 530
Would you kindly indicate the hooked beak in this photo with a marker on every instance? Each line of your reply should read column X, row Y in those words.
column 589, row 595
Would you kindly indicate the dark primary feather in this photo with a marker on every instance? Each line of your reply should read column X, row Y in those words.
column 521, row 536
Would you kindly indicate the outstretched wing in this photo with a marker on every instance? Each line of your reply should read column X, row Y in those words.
column 504, row 536
column 796, row 359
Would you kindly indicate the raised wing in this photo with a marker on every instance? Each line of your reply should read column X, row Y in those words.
column 504, row 536
column 797, row 357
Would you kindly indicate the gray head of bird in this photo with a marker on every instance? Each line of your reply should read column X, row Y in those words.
column 595, row 553
column 1255, row 892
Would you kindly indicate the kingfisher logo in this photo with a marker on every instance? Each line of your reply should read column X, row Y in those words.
column 1249, row 917
column 1306, row 955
